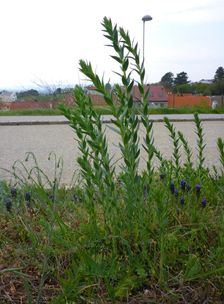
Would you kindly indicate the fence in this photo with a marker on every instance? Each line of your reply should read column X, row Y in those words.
column 180, row 101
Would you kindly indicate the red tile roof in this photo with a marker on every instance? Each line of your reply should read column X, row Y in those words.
column 157, row 93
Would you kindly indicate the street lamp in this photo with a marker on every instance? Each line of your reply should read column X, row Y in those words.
column 144, row 19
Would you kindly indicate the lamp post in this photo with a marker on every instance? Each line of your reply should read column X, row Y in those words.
column 144, row 19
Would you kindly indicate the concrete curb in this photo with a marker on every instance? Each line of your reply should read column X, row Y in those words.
column 30, row 123
column 105, row 119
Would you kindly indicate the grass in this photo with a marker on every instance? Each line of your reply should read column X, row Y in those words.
column 107, row 111
column 57, row 246
column 189, row 110
column 35, row 112
column 154, row 237
column 30, row 112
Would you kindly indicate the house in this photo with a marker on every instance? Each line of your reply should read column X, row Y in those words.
column 206, row 81
column 96, row 97
column 158, row 95
column 6, row 96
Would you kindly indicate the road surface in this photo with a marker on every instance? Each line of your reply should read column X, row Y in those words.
column 60, row 119
column 16, row 140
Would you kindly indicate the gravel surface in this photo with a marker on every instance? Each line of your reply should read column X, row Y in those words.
column 15, row 141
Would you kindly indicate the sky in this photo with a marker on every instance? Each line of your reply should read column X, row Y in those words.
column 42, row 41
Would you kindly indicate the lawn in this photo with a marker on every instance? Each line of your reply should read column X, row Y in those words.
column 107, row 111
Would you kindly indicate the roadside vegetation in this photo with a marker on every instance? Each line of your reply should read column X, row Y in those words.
column 136, row 237
column 50, row 94
column 30, row 112
column 107, row 111
column 181, row 84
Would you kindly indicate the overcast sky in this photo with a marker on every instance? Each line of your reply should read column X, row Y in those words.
column 43, row 40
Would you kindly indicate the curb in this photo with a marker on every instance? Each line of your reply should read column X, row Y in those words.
column 30, row 123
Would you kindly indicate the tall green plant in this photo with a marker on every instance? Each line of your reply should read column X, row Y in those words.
column 127, row 226
column 138, row 67
column 176, row 144
column 200, row 142
column 125, row 119
column 96, row 168
column 187, row 149
column 220, row 145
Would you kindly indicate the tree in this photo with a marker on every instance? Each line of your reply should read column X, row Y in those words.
column 31, row 92
column 193, row 88
column 167, row 80
column 218, row 82
column 201, row 88
column 219, row 74
column 57, row 91
column 183, row 88
column 217, row 87
column 181, row 78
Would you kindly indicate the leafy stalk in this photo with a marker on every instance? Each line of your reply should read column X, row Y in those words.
column 187, row 149
column 200, row 142
column 124, row 117
column 138, row 67
column 176, row 145
column 220, row 145
column 95, row 163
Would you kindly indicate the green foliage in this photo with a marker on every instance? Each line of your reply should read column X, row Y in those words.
column 168, row 80
column 58, row 91
column 187, row 150
column 30, row 92
column 200, row 142
column 219, row 74
column 105, row 110
column 220, row 144
column 181, row 84
column 181, row 78
column 176, row 145
column 193, row 88
column 217, row 88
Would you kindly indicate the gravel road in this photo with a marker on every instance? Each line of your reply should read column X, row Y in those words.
column 15, row 141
